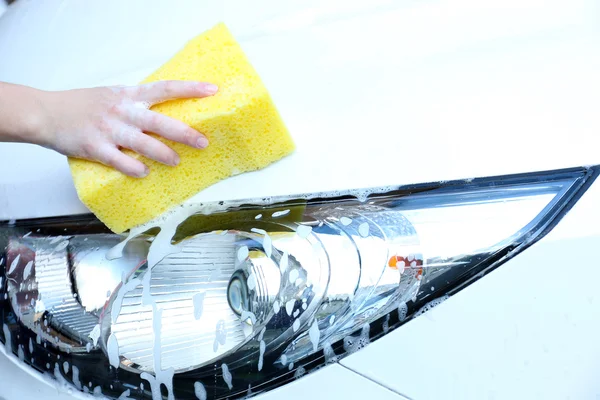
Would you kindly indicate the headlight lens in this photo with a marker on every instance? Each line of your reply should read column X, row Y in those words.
column 257, row 293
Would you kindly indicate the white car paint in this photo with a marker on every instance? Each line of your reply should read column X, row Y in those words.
column 375, row 93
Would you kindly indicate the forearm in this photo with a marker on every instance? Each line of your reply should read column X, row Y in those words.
column 22, row 114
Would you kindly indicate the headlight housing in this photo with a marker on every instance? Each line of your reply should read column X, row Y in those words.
column 250, row 295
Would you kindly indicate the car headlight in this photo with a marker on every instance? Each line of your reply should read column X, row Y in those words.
column 254, row 294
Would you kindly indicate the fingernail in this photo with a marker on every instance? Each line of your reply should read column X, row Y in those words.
column 145, row 173
column 175, row 161
column 210, row 88
column 202, row 142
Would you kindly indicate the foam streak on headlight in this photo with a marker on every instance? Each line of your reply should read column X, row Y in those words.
column 257, row 293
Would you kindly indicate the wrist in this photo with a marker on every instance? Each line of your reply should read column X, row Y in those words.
column 37, row 124
column 25, row 115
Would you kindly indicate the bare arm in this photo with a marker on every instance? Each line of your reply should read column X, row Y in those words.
column 97, row 123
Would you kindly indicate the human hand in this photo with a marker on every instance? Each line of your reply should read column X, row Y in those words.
column 96, row 123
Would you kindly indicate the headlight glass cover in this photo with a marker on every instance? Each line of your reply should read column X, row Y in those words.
column 229, row 300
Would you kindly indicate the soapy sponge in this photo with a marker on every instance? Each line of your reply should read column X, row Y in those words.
column 241, row 122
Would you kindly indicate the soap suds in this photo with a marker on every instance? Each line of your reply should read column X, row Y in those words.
column 242, row 253
column 293, row 275
column 296, row 325
column 329, row 354
column 116, row 305
column 14, row 264
column 352, row 344
column 248, row 315
column 220, row 335
column 76, row 380
column 276, row 306
column 431, row 305
column 261, row 355
column 304, row 231
column 198, row 301
column 200, row 391
column 113, row 351
column 315, row 335
column 7, row 339
column 61, row 246
column 278, row 214
column 402, row 311
column 345, row 221
column 283, row 263
column 289, row 306
column 251, row 281
column 363, row 230
column 95, row 334
column 227, row 375
column 27, row 270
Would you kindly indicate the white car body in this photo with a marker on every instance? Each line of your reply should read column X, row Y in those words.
column 374, row 93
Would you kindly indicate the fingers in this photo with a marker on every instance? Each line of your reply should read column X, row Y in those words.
column 134, row 139
column 113, row 157
column 167, row 127
column 158, row 92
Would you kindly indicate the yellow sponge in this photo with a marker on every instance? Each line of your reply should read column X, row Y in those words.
column 241, row 122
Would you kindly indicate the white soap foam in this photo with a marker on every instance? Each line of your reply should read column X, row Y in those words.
column 200, row 391
column 112, row 348
column 198, row 301
column 293, row 275
column 125, row 395
column 304, row 231
column 61, row 246
column 352, row 344
column 14, row 264
column 248, row 315
column 76, row 380
column 283, row 263
column 363, row 230
column 431, row 305
column 242, row 253
column 315, row 335
column 289, row 306
column 402, row 311
column 27, row 270
column 261, row 354
column 276, row 307
column 220, row 335
column 278, row 214
column 251, row 281
column 66, row 367
column 7, row 339
column 296, row 325
column 345, row 221
column 116, row 305
column 95, row 334
column 386, row 324
column 329, row 354
column 227, row 375
column 262, row 333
